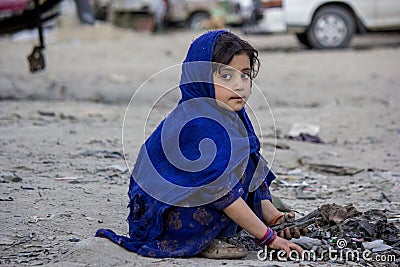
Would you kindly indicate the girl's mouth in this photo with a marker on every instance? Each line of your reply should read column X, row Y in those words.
column 237, row 98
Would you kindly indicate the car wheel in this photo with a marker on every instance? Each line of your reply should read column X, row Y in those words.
column 197, row 20
column 332, row 27
column 302, row 37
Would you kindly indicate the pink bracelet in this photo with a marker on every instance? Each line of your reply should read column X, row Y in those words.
column 265, row 237
column 268, row 237
column 272, row 239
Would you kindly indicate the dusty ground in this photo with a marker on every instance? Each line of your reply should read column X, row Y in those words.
column 63, row 172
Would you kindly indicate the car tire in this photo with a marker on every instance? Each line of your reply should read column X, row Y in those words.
column 332, row 27
column 197, row 20
column 302, row 38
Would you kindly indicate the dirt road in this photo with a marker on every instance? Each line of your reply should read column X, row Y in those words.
column 63, row 173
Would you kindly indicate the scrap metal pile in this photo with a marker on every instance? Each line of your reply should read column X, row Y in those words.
column 343, row 234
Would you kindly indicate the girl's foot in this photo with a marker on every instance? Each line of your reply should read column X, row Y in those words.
column 219, row 249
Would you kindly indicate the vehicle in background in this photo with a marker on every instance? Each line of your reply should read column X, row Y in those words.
column 194, row 13
column 326, row 24
column 190, row 13
column 9, row 8
column 18, row 15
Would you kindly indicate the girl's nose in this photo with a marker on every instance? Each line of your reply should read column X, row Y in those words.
column 238, row 82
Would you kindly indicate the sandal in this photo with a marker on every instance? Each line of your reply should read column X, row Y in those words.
column 219, row 249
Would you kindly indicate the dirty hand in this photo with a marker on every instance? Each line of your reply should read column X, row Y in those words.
column 289, row 233
column 287, row 217
column 283, row 244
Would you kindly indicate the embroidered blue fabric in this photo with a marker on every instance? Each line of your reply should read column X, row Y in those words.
column 198, row 161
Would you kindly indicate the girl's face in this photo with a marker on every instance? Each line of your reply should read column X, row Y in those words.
column 232, row 83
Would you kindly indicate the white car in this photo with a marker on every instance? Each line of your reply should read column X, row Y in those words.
column 328, row 23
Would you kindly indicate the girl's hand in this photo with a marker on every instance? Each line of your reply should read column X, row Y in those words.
column 283, row 244
column 272, row 216
column 289, row 233
column 287, row 217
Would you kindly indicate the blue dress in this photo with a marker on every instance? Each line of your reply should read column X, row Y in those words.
column 176, row 198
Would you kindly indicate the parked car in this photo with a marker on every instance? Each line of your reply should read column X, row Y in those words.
column 328, row 23
column 190, row 13
column 195, row 12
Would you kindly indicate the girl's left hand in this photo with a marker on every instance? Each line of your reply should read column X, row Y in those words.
column 287, row 246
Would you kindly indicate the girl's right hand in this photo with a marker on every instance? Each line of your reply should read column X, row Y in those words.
column 283, row 244
column 289, row 233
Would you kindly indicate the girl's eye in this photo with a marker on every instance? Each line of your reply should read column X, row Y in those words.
column 226, row 76
column 245, row 76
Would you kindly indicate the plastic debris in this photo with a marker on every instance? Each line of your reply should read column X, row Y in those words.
column 7, row 177
column 27, row 188
column 7, row 199
column 307, row 242
column 303, row 128
column 287, row 184
column 376, row 246
column 301, row 195
column 47, row 113
column 307, row 138
column 35, row 219
column 329, row 168
column 305, row 132
column 102, row 154
column 68, row 179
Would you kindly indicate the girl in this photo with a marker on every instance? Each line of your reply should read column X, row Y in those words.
column 200, row 174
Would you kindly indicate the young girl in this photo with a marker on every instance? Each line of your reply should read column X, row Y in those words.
column 200, row 174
